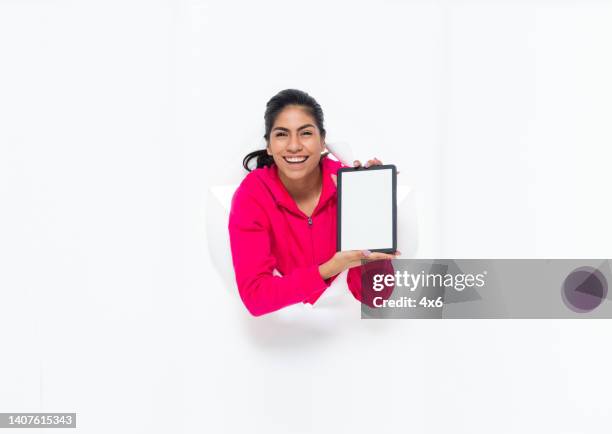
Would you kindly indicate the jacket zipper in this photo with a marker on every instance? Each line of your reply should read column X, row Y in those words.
column 311, row 238
column 309, row 221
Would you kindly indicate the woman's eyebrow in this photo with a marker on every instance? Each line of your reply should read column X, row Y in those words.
column 286, row 129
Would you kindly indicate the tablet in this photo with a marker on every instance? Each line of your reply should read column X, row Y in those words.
column 367, row 209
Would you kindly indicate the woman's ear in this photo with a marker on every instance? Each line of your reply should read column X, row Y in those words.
column 268, row 150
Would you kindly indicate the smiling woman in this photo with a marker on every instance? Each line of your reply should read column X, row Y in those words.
column 283, row 215
column 296, row 145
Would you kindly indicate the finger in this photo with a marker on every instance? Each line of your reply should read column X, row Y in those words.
column 373, row 162
column 355, row 257
column 356, row 163
column 379, row 255
column 334, row 179
column 359, row 255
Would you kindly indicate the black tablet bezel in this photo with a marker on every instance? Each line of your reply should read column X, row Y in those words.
column 339, row 203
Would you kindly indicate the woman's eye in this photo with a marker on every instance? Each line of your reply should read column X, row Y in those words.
column 308, row 132
column 280, row 134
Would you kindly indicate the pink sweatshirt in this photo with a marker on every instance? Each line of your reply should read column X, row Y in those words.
column 268, row 231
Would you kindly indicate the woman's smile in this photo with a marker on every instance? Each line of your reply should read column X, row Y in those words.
column 295, row 160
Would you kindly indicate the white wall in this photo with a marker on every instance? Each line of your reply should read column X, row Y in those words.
column 116, row 119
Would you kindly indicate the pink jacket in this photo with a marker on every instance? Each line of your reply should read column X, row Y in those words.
column 268, row 231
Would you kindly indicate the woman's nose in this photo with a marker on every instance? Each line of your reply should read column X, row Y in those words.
column 294, row 144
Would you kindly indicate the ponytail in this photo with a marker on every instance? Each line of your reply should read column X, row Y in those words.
column 262, row 159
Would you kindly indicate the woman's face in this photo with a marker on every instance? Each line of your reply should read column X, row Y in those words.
column 295, row 143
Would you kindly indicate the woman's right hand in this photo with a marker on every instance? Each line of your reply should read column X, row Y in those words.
column 351, row 258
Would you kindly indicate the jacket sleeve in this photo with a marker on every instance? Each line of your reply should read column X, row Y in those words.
column 250, row 240
column 361, row 281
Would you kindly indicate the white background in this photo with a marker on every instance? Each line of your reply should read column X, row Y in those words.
column 116, row 118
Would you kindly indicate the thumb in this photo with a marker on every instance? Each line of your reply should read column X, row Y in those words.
column 335, row 179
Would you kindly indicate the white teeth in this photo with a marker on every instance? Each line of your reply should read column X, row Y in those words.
column 296, row 159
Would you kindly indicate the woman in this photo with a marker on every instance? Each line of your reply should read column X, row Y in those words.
column 283, row 214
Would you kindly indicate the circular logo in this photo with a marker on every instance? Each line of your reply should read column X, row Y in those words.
column 584, row 289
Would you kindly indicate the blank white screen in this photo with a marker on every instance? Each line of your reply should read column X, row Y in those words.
column 367, row 210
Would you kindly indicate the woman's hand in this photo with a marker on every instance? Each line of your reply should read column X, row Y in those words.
column 351, row 258
column 373, row 162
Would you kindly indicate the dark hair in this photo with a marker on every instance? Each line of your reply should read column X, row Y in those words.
column 276, row 104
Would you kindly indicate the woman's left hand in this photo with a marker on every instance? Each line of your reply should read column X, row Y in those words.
column 373, row 162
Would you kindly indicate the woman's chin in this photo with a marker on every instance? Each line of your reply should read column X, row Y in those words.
column 295, row 173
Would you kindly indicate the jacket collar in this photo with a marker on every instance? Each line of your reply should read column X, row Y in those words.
column 270, row 178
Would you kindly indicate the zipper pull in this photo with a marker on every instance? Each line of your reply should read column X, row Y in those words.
column 309, row 221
